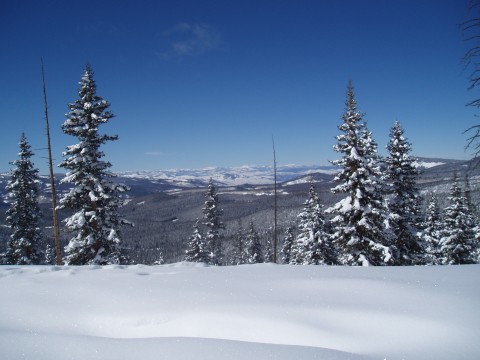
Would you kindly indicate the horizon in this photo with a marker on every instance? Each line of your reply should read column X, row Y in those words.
column 279, row 166
column 194, row 84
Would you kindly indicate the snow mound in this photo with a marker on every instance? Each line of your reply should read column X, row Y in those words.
column 265, row 311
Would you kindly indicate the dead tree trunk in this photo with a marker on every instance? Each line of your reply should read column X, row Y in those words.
column 275, row 204
column 56, row 236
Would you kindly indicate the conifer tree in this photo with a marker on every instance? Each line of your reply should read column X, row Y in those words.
column 238, row 252
column 472, row 209
column 288, row 242
column 268, row 253
column 313, row 244
column 49, row 255
column 358, row 219
column 196, row 249
column 458, row 244
column 403, row 204
column 94, row 198
column 212, row 222
column 160, row 260
column 432, row 228
column 24, row 213
column 253, row 248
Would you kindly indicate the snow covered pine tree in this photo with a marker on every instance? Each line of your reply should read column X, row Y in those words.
column 196, row 248
column 288, row 243
column 238, row 246
column 431, row 231
column 359, row 218
column 400, row 177
column 313, row 244
column 24, row 213
column 253, row 248
column 212, row 213
column 458, row 244
column 94, row 198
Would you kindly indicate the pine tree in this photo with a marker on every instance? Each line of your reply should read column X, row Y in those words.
column 238, row 252
column 473, row 215
column 432, row 228
column 253, row 248
column 94, row 198
column 196, row 251
column 472, row 209
column 160, row 259
column 358, row 219
column 49, row 255
column 458, row 244
column 212, row 214
column 288, row 242
column 268, row 253
column 403, row 205
column 24, row 213
column 313, row 244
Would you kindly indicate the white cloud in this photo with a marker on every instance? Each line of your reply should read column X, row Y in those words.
column 186, row 39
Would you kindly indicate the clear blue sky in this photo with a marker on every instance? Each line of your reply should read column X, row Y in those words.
column 207, row 83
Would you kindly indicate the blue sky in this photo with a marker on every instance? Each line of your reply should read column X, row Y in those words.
column 207, row 83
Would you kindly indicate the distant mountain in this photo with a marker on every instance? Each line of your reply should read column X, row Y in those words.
column 158, row 181
column 228, row 176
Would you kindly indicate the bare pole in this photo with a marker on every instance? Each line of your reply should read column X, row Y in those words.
column 56, row 236
column 275, row 204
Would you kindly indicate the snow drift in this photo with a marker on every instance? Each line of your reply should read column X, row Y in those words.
column 264, row 311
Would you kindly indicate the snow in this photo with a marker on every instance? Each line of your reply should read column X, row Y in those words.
column 426, row 164
column 230, row 176
column 263, row 311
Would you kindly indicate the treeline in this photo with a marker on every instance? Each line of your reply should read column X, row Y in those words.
column 379, row 219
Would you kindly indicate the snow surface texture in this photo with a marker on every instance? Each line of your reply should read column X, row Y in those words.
column 263, row 311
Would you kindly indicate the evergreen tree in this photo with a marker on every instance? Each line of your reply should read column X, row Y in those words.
column 313, row 244
column 288, row 242
column 404, row 201
column 253, row 248
column 94, row 198
column 458, row 244
column 472, row 209
column 432, row 228
column 358, row 219
column 238, row 252
column 160, row 260
column 212, row 214
column 24, row 213
column 268, row 254
column 49, row 255
column 196, row 251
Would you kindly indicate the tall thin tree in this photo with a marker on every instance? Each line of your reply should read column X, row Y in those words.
column 275, row 208
column 400, row 176
column 24, row 213
column 94, row 198
column 213, row 224
column 358, row 219
column 56, row 236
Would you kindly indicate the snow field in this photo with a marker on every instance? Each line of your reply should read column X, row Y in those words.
column 186, row 311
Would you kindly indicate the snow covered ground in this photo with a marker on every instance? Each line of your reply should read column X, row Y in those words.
column 264, row 311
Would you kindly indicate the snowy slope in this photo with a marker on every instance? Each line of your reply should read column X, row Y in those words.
column 244, row 312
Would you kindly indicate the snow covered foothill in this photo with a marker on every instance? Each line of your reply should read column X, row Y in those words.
column 263, row 311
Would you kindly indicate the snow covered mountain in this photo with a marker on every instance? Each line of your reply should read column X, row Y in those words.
column 155, row 181
column 229, row 176
column 251, row 174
